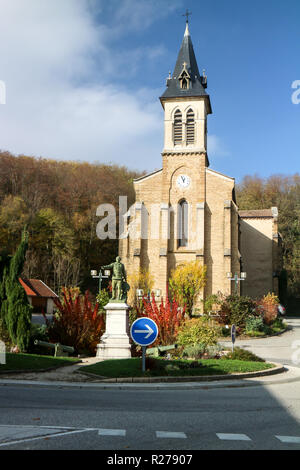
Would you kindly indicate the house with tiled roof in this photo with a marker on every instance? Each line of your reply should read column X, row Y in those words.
column 40, row 296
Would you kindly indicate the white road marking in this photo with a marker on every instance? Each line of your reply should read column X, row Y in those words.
column 45, row 436
column 289, row 439
column 111, row 432
column 171, row 435
column 233, row 437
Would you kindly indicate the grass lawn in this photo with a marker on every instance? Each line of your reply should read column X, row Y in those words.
column 133, row 367
column 23, row 362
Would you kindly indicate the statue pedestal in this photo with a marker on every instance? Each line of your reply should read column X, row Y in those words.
column 114, row 344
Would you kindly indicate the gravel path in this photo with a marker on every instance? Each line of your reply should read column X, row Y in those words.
column 64, row 374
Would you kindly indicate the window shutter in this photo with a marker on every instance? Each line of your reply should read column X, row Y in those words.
column 178, row 128
column 190, row 127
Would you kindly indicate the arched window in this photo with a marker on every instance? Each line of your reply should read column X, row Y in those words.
column 177, row 127
column 190, row 127
column 183, row 220
column 184, row 81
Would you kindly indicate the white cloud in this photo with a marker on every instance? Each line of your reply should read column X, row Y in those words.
column 63, row 71
column 56, row 63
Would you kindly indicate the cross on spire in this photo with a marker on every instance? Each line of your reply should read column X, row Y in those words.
column 187, row 14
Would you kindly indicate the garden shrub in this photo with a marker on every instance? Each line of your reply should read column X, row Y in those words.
column 195, row 351
column 254, row 324
column 243, row 355
column 102, row 299
column 279, row 323
column 198, row 330
column 212, row 303
column 236, row 310
column 213, row 351
column 198, row 351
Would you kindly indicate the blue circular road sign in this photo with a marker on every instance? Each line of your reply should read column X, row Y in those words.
column 233, row 333
column 144, row 331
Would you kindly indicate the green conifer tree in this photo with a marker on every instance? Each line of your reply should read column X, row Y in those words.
column 15, row 308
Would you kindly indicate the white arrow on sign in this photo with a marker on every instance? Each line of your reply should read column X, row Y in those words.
column 149, row 331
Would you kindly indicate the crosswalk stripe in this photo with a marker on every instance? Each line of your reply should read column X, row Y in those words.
column 171, row 435
column 233, row 437
column 289, row 439
column 112, row 432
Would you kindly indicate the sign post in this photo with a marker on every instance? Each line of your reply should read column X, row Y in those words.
column 144, row 332
column 233, row 336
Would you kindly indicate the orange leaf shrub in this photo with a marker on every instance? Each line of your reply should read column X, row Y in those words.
column 168, row 316
column 77, row 322
column 269, row 304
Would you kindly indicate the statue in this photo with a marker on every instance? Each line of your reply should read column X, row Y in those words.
column 120, row 287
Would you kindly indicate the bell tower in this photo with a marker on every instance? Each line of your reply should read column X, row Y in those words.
column 186, row 104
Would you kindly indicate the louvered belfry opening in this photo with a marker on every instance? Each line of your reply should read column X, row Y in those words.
column 190, row 127
column 178, row 128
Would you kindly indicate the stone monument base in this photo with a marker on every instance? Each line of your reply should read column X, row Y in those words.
column 115, row 344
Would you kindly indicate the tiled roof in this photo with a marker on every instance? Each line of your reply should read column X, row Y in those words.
column 37, row 288
column 256, row 214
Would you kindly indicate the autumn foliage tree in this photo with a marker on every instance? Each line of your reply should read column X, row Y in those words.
column 186, row 282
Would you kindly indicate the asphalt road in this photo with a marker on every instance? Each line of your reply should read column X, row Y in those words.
column 52, row 418
column 261, row 417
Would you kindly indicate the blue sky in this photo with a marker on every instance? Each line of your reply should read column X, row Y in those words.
column 83, row 78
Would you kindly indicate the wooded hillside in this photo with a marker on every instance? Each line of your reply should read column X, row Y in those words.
column 58, row 201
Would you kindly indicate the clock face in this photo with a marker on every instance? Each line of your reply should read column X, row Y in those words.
column 183, row 181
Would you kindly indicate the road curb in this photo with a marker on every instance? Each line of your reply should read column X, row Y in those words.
column 289, row 375
column 278, row 369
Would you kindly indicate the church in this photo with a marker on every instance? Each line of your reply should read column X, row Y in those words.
column 187, row 211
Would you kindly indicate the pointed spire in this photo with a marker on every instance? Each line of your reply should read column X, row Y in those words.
column 186, row 80
column 187, row 31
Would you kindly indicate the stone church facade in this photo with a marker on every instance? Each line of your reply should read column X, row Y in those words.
column 187, row 211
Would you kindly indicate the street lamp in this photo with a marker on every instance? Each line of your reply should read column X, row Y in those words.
column 95, row 275
column 140, row 293
column 236, row 279
column 157, row 293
